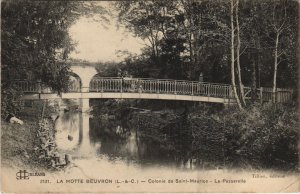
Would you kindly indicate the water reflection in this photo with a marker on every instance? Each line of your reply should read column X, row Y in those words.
column 116, row 140
column 67, row 131
column 122, row 140
column 73, row 133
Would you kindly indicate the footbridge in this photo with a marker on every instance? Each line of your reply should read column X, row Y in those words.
column 87, row 86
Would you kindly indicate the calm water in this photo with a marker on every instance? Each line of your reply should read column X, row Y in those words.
column 86, row 137
column 108, row 148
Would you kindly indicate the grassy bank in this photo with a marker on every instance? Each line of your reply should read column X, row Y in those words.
column 27, row 145
column 17, row 143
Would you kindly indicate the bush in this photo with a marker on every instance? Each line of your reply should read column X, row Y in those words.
column 10, row 102
column 261, row 136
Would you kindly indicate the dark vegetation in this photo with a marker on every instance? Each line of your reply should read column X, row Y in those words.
column 187, row 38
column 259, row 137
column 35, row 44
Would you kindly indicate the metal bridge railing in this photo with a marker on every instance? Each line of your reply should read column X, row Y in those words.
column 177, row 87
column 162, row 86
column 28, row 87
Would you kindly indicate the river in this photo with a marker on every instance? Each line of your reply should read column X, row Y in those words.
column 105, row 138
column 117, row 155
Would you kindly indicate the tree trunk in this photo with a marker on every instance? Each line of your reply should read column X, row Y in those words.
column 232, row 58
column 191, row 37
column 275, row 68
column 191, row 56
column 241, row 86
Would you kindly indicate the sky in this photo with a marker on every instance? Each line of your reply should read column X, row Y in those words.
column 97, row 43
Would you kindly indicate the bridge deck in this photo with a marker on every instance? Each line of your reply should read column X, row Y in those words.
column 88, row 95
column 140, row 88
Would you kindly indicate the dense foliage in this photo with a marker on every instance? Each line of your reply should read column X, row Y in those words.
column 10, row 103
column 260, row 137
column 189, row 38
column 35, row 43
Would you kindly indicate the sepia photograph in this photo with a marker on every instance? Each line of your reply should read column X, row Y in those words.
column 137, row 96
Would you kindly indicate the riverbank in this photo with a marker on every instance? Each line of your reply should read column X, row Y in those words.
column 31, row 145
column 17, row 144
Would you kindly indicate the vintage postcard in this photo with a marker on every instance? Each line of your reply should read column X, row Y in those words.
column 149, row 96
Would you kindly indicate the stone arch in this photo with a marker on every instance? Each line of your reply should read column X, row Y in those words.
column 97, row 75
column 75, row 83
column 86, row 73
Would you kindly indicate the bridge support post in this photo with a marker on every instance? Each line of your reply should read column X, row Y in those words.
column 85, row 105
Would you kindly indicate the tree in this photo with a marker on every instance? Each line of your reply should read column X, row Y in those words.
column 35, row 41
column 158, row 23
column 224, row 40
column 143, row 18
column 238, row 48
column 281, row 22
column 277, row 41
column 232, row 53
